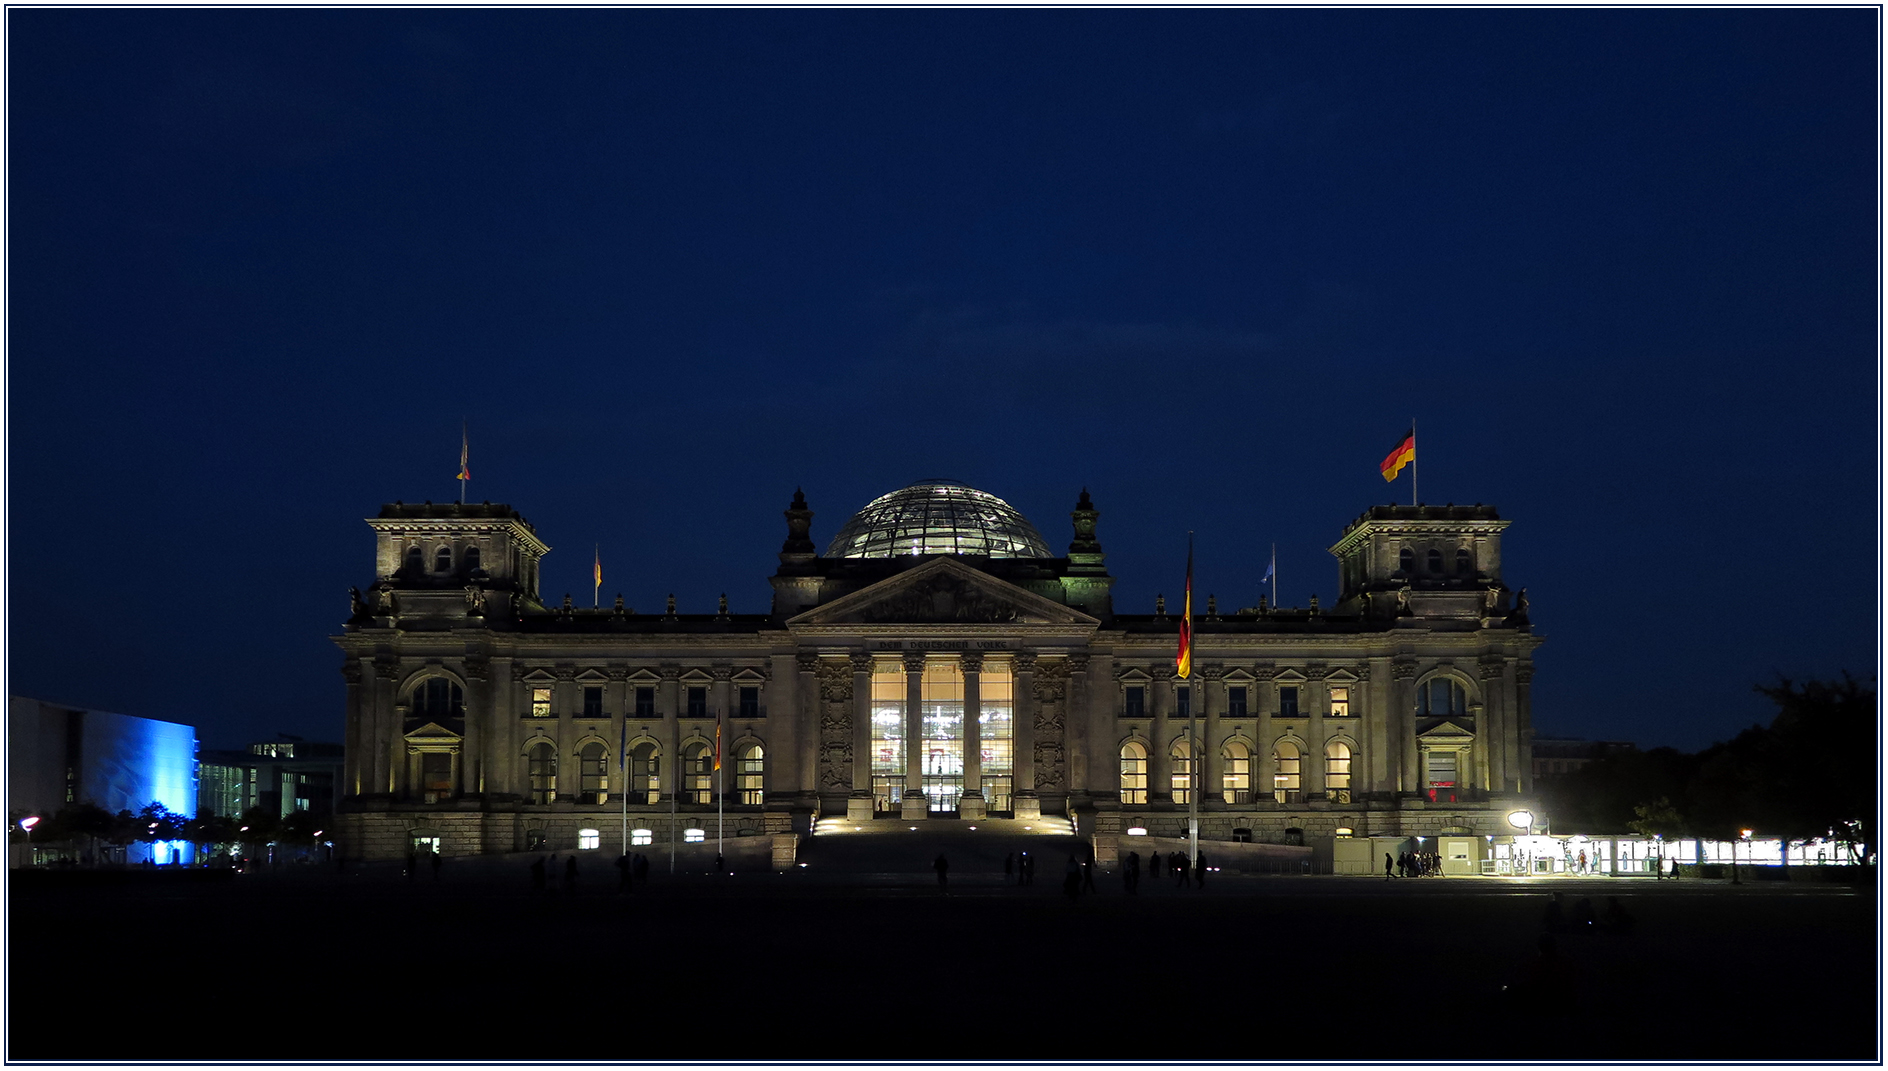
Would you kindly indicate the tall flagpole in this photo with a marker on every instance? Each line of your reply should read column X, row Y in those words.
column 721, row 798
column 1274, row 571
column 622, row 776
column 1193, row 713
column 1413, row 500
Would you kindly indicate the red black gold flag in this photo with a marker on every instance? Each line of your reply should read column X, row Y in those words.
column 717, row 740
column 1404, row 453
column 1183, row 661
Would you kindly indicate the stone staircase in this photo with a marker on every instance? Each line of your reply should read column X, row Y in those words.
column 975, row 850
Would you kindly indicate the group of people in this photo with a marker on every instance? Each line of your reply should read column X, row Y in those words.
column 1020, row 866
column 539, row 873
column 632, row 869
column 1411, row 865
column 1174, row 863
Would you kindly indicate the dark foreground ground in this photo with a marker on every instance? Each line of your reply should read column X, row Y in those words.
column 476, row 965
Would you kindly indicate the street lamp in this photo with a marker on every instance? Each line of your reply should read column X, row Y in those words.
column 1522, row 820
column 26, row 826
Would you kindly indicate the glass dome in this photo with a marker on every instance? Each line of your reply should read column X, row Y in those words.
column 938, row 517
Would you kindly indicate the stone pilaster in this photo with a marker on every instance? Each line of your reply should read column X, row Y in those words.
column 668, row 708
column 859, row 796
column 915, row 805
column 1213, row 696
column 1160, row 762
column 970, row 805
column 1023, row 741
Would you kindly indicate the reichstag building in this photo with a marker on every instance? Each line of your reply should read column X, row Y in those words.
column 939, row 661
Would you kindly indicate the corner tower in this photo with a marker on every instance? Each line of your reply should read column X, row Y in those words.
column 1423, row 561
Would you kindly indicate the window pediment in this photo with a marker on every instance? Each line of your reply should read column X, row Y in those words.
column 1289, row 676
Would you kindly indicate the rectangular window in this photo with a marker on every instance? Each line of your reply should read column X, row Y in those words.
column 1135, row 703
column 1236, row 702
column 1183, row 698
column 639, row 837
column 593, row 701
column 996, row 733
column 1340, row 702
column 645, row 702
column 1182, row 762
column 888, row 736
column 1288, row 702
column 540, row 702
column 589, row 838
column 698, row 702
column 750, row 703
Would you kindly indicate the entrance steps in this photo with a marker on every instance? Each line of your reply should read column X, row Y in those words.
column 891, row 846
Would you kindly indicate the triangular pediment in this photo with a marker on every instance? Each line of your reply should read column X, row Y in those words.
column 432, row 733
column 1447, row 732
column 943, row 592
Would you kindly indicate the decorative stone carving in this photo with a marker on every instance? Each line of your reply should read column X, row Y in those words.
column 1316, row 671
column 914, row 661
column 971, row 662
column 1490, row 669
column 721, row 672
column 1050, row 757
column 356, row 605
column 861, row 662
column 1051, row 684
column 1025, row 661
column 835, row 681
column 940, row 598
column 669, row 671
column 616, row 673
column 1213, row 672
column 1523, row 673
column 807, row 663
column 386, row 669
column 351, row 671
column 1264, row 672
column 835, row 724
column 476, row 667
column 1403, row 671
column 474, row 601
column 517, row 672
column 565, row 671
column 1161, row 671
column 1078, row 663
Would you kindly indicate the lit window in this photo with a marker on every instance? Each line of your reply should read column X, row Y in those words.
column 641, row 837
column 750, row 703
column 1441, row 775
column 995, row 736
column 436, row 775
column 941, row 699
column 645, row 702
column 540, row 702
column 698, row 702
column 593, row 701
column 593, row 781
column 1134, row 703
column 1342, row 831
column 542, row 768
column 1236, row 782
column 698, row 774
column 442, row 560
column 1133, row 773
column 1337, row 771
column 749, row 771
column 888, row 737
column 1236, row 702
column 1287, row 786
column 1340, row 702
column 645, row 784
column 589, row 838
column 1182, row 772
column 694, row 836
column 1288, row 702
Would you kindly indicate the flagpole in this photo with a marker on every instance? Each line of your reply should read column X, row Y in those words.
column 1413, row 500
column 622, row 773
column 1193, row 713
column 1274, row 572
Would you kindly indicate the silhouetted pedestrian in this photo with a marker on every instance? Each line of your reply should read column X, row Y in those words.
column 1178, row 864
column 943, row 868
column 1153, row 866
column 1389, row 867
column 1199, row 870
column 1131, row 872
column 437, row 859
column 1088, row 875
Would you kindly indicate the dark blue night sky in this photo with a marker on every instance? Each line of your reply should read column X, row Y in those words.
column 1620, row 266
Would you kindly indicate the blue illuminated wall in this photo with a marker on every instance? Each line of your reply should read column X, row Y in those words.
column 122, row 763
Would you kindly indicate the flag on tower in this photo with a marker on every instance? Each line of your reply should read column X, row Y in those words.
column 465, row 452
column 1183, row 661
column 1403, row 454
column 717, row 739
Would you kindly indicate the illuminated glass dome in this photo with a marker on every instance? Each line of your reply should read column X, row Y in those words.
column 938, row 517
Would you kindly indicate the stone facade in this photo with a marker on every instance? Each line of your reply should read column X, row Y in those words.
column 484, row 718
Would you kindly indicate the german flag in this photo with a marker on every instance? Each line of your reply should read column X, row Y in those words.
column 1403, row 454
column 1183, row 661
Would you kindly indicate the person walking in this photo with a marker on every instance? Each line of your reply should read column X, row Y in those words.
column 1153, row 866
column 1179, row 866
column 1389, row 867
column 943, row 868
column 1088, row 874
column 1026, row 872
column 436, row 860
column 1199, row 871
column 1131, row 872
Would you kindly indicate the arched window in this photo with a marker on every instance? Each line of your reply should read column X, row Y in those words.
column 1133, row 772
column 471, row 559
column 593, row 778
column 1464, row 563
column 645, row 781
column 1441, row 697
column 1435, row 560
column 437, row 699
column 1182, row 759
column 415, row 560
column 1237, row 779
column 541, row 766
column 442, row 560
column 1287, row 785
column 1337, row 772
column 1406, row 560
column 750, row 766
column 698, row 774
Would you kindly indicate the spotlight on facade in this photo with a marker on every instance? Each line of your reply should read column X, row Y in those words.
column 1137, row 831
column 1521, row 819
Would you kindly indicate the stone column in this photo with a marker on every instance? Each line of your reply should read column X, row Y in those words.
column 1079, row 723
column 971, row 804
column 353, row 745
column 805, row 691
column 859, row 799
column 915, row 805
column 479, row 714
column 1159, row 765
column 1213, row 695
column 1317, row 707
column 1265, row 700
column 566, row 702
column 1023, row 738
column 1401, row 721
column 668, row 708
column 1379, row 762
column 1524, row 724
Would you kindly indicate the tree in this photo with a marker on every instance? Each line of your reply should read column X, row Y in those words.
column 209, row 831
column 1824, row 746
column 1657, row 819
